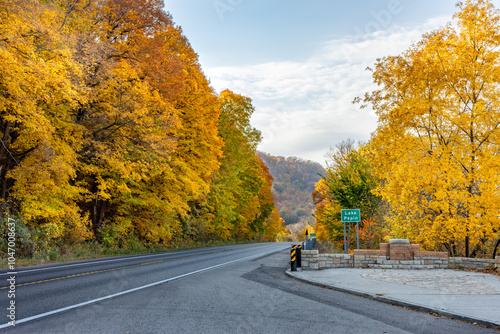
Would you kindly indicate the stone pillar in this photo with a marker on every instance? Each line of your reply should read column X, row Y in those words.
column 400, row 252
column 385, row 248
column 497, row 263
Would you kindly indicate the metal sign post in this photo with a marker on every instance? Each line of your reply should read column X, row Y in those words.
column 350, row 215
column 357, row 232
column 307, row 235
column 345, row 243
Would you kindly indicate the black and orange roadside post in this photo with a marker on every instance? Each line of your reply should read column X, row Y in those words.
column 293, row 257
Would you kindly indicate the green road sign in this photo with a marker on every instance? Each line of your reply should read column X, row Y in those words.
column 350, row 215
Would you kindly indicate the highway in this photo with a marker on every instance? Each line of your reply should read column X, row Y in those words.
column 229, row 289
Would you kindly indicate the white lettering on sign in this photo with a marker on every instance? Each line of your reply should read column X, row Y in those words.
column 352, row 215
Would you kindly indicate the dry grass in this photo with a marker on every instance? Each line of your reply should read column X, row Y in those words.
column 326, row 247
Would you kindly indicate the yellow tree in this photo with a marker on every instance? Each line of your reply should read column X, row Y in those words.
column 437, row 142
column 151, row 143
column 234, row 196
column 328, row 226
column 130, row 128
column 38, row 89
column 268, row 223
column 274, row 226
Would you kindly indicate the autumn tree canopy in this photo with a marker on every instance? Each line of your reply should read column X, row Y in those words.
column 111, row 132
column 438, row 137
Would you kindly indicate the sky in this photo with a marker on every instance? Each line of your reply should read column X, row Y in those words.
column 302, row 63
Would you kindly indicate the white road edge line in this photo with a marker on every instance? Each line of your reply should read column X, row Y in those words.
column 67, row 308
column 103, row 261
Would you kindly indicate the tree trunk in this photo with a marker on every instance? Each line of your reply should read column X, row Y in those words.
column 467, row 253
column 4, row 180
column 3, row 147
column 4, row 160
column 496, row 247
column 98, row 216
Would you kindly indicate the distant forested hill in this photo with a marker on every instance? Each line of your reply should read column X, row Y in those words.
column 294, row 180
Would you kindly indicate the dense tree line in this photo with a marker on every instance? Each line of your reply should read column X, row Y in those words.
column 111, row 132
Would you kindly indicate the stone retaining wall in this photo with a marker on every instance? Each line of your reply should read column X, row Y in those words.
column 429, row 254
column 470, row 263
column 312, row 260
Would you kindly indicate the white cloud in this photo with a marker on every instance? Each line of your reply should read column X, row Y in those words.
column 303, row 108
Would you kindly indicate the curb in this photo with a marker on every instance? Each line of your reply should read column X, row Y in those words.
column 397, row 302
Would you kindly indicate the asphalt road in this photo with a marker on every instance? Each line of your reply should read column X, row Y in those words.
column 232, row 289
